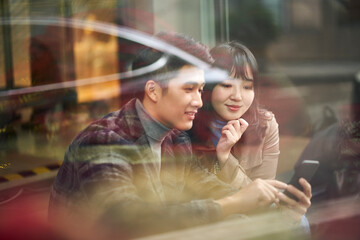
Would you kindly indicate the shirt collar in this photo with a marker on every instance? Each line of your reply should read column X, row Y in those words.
column 153, row 129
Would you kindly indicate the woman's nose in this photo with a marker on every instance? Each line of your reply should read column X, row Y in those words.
column 236, row 94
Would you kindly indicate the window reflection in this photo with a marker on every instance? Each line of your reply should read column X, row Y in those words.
column 308, row 54
column 2, row 63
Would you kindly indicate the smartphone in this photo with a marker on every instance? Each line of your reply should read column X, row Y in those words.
column 305, row 170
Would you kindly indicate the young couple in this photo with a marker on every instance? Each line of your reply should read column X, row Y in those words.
column 134, row 172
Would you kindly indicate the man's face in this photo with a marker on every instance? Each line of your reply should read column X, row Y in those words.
column 178, row 105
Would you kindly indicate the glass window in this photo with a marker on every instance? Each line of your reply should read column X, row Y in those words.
column 2, row 63
column 65, row 64
column 306, row 14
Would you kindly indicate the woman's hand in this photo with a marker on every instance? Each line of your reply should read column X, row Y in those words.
column 230, row 134
column 295, row 209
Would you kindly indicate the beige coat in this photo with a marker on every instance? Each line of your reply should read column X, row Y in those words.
column 248, row 163
column 253, row 162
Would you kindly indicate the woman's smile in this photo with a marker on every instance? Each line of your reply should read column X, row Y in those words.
column 233, row 108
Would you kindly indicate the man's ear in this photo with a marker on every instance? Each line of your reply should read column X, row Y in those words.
column 152, row 90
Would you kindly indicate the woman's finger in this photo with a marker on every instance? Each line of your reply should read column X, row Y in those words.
column 306, row 186
column 300, row 196
column 236, row 125
column 288, row 201
column 229, row 136
column 243, row 124
column 235, row 135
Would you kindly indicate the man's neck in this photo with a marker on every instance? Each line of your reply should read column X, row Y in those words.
column 153, row 128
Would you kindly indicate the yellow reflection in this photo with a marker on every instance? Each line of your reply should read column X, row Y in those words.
column 98, row 91
column 20, row 44
column 95, row 56
column 2, row 63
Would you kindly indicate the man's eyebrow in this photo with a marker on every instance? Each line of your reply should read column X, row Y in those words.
column 194, row 83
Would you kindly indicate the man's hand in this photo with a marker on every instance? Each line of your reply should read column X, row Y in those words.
column 230, row 134
column 295, row 209
column 257, row 195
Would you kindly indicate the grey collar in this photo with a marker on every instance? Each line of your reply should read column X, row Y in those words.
column 153, row 129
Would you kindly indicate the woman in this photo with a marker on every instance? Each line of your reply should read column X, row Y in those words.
column 239, row 141
column 244, row 136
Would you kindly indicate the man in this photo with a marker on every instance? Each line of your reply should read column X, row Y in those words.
column 133, row 171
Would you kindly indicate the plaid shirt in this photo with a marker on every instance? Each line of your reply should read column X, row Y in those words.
column 109, row 167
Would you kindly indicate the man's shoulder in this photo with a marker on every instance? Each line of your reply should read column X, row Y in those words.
column 179, row 142
column 119, row 127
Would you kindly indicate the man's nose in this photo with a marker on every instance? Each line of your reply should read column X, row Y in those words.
column 197, row 101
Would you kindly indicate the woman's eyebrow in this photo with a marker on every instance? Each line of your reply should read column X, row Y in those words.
column 243, row 78
column 248, row 79
column 246, row 76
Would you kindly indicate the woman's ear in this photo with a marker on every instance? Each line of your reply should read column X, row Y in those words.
column 152, row 90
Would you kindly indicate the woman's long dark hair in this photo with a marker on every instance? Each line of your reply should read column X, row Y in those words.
column 233, row 57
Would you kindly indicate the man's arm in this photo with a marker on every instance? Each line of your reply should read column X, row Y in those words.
column 113, row 186
column 257, row 195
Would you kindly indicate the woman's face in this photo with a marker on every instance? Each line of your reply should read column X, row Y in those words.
column 233, row 97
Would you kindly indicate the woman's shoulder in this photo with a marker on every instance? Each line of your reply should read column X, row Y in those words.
column 269, row 120
column 267, row 117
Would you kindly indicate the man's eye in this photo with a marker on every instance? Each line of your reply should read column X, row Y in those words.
column 189, row 89
column 248, row 87
column 225, row 85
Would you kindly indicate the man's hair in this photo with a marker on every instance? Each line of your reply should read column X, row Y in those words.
column 147, row 56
